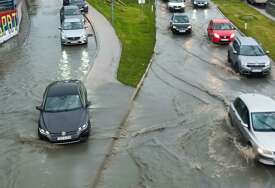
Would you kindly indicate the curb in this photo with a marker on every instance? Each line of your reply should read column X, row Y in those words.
column 110, row 152
column 140, row 84
column 97, row 45
column 123, row 125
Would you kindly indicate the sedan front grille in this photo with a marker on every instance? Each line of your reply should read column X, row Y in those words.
column 73, row 38
column 256, row 65
column 225, row 37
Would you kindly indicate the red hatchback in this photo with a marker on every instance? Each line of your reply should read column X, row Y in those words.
column 221, row 31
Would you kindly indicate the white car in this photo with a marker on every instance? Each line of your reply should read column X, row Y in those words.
column 176, row 5
column 254, row 116
column 73, row 31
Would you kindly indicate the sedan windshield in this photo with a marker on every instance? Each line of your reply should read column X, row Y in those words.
column 76, row 1
column 72, row 11
column 62, row 103
column 263, row 121
column 176, row 1
column 181, row 19
column 72, row 25
column 251, row 51
column 223, row 26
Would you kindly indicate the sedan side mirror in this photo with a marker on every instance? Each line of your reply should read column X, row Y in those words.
column 59, row 28
column 267, row 52
column 245, row 125
column 38, row 108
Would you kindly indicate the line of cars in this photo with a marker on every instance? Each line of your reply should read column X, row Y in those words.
column 253, row 114
column 64, row 115
column 73, row 29
column 245, row 54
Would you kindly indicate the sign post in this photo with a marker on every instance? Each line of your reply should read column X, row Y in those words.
column 112, row 7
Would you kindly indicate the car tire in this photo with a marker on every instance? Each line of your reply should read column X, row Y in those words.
column 230, row 119
column 173, row 31
column 39, row 135
column 236, row 67
column 228, row 58
column 239, row 68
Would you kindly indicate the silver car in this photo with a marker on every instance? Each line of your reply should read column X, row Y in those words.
column 254, row 115
column 70, row 11
column 248, row 57
column 73, row 32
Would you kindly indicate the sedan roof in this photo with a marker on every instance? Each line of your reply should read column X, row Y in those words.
column 62, row 88
column 258, row 102
column 75, row 19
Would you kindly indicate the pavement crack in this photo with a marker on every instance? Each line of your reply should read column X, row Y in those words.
column 209, row 93
column 172, row 86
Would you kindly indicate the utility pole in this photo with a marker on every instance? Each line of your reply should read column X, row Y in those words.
column 113, row 6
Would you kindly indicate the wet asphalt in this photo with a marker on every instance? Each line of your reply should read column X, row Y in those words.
column 178, row 133
column 28, row 64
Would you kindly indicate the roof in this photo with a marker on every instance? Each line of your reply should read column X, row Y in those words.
column 70, row 7
column 61, row 88
column 247, row 40
column 74, row 19
column 258, row 102
column 221, row 20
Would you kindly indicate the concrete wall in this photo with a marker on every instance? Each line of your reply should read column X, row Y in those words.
column 270, row 7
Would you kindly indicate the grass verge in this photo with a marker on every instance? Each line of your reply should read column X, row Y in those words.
column 258, row 26
column 135, row 27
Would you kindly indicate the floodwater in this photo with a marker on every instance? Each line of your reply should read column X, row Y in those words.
column 28, row 64
column 178, row 133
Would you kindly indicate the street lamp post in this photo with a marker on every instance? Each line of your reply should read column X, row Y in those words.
column 112, row 7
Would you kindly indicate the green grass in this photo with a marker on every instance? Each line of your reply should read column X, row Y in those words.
column 258, row 26
column 135, row 28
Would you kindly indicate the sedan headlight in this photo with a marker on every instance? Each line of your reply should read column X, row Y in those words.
column 195, row 2
column 63, row 37
column 243, row 63
column 232, row 35
column 189, row 27
column 216, row 35
column 44, row 132
column 174, row 27
column 264, row 151
column 267, row 64
column 83, row 127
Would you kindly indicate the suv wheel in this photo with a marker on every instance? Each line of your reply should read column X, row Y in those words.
column 228, row 58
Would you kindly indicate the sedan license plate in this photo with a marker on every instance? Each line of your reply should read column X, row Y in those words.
column 64, row 138
column 256, row 70
column 182, row 31
column 224, row 39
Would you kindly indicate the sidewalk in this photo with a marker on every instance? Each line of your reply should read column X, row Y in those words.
column 110, row 99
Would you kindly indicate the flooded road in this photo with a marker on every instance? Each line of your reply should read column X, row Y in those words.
column 25, row 70
column 178, row 133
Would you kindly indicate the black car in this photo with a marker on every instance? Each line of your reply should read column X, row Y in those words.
column 200, row 3
column 80, row 3
column 179, row 23
column 64, row 115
